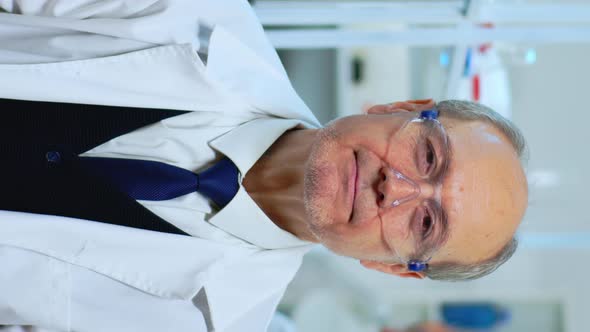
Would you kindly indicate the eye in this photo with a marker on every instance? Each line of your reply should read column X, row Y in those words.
column 427, row 225
column 430, row 154
column 427, row 158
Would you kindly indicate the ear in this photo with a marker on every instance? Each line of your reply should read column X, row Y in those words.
column 399, row 270
column 402, row 106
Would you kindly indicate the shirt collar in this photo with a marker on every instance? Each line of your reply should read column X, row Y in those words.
column 242, row 217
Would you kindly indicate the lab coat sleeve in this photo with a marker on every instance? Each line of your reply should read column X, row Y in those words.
column 81, row 28
column 24, row 290
column 248, row 302
column 142, row 23
column 80, row 9
column 48, row 293
column 259, row 317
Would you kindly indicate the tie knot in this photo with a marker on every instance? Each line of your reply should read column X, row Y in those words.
column 219, row 182
column 157, row 181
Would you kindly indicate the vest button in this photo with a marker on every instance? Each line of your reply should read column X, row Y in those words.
column 53, row 157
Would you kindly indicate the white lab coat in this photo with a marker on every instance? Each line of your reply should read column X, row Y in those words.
column 66, row 274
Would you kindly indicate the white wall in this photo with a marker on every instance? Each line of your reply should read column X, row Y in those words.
column 551, row 108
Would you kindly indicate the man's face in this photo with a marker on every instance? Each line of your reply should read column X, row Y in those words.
column 349, row 188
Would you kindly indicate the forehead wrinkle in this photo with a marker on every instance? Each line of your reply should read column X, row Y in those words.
column 486, row 201
column 448, row 157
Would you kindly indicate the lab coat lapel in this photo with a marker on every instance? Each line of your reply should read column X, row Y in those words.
column 243, row 73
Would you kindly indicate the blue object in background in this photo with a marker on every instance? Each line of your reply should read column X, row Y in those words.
column 468, row 62
column 530, row 56
column 474, row 315
column 444, row 58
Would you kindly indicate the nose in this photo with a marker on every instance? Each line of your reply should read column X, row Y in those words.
column 395, row 188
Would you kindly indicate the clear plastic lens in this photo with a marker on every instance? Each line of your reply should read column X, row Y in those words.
column 419, row 151
column 420, row 143
column 420, row 241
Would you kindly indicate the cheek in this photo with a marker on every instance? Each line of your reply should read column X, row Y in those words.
column 359, row 241
column 402, row 161
column 369, row 134
column 401, row 154
column 396, row 224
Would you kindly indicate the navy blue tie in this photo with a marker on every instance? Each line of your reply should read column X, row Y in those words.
column 157, row 181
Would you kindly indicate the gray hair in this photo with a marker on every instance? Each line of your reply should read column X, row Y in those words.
column 469, row 111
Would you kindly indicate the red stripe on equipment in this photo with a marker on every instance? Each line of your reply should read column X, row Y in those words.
column 476, row 87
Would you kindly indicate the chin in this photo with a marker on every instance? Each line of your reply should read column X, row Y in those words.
column 321, row 183
column 319, row 196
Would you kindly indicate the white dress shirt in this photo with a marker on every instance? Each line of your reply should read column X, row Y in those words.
column 68, row 274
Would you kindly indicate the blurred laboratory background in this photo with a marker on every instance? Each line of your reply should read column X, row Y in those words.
column 526, row 59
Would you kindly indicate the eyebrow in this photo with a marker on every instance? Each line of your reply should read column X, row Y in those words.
column 442, row 172
column 444, row 232
column 441, row 175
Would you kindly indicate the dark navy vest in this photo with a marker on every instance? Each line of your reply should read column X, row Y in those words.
column 39, row 147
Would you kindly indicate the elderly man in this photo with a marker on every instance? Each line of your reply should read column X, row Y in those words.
column 112, row 108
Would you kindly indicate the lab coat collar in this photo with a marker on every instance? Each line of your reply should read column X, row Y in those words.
column 266, row 89
column 261, row 86
column 244, row 74
column 242, row 217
